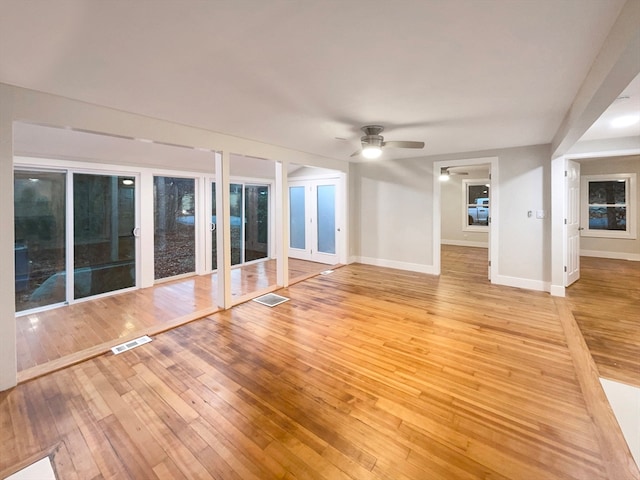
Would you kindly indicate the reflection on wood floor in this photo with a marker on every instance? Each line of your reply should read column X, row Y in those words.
column 367, row 373
column 606, row 305
column 60, row 336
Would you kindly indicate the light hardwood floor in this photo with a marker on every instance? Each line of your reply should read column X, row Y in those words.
column 48, row 339
column 606, row 304
column 366, row 373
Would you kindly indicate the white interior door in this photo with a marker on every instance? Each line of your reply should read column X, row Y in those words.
column 572, row 222
column 313, row 222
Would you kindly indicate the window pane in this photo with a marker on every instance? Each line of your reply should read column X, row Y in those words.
column 476, row 192
column 104, row 245
column 39, row 226
column 256, row 206
column 174, row 241
column 235, row 207
column 607, row 218
column 296, row 217
column 326, row 219
column 478, row 205
column 609, row 192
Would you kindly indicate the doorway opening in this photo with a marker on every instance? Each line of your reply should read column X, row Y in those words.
column 465, row 197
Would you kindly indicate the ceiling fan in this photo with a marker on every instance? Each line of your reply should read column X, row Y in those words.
column 445, row 173
column 372, row 142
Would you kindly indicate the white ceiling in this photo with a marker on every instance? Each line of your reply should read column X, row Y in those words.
column 461, row 75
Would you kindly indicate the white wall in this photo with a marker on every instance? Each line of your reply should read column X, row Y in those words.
column 611, row 247
column 396, row 225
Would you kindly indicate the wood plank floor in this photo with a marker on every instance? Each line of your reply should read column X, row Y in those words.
column 54, row 334
column 366, row 373
column 606, row 305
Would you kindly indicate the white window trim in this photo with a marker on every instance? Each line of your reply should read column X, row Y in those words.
column 631, row 205
column 465, row 204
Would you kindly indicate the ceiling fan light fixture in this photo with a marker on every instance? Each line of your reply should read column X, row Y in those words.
column 371, row 151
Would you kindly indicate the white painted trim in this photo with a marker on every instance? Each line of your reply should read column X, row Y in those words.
column 633, row 257
column 557, row 290
column 465, row 243
column 525, row 283
column 412, row 267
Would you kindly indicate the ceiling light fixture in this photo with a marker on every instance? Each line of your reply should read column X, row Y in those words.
column 444, row 174
column 371, row 151
column 625, row 121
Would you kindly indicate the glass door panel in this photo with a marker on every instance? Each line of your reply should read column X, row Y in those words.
column 256, row 210
column 40, row 240
column 297, row 223
column 235, row 207
column 174, row 235
column 104, row 244
column 326, row 224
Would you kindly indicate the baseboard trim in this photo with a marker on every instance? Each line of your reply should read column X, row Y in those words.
column 525, row 283
column 464, row 243
column 412, row 267
column 633, row 257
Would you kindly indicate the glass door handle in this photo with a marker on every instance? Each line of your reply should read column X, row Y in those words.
column 135, row 232
column 212, row 227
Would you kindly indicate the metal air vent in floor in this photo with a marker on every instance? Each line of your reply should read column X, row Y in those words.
column 270, row 299
column 123, row 347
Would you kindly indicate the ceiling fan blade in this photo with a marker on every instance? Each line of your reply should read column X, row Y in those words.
column 356, row 153
column 403, row 144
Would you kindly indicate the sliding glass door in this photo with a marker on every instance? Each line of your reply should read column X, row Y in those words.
column 256, row 222
column 40, row 238
column 174, row 219
column 96, row 249
column 249, row 206
column 104, row 246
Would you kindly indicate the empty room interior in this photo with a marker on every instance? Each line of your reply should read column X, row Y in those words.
column 320, row 240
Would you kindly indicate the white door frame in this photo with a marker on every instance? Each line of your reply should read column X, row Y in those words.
column 494, row 212
column 559, row 251
column 311, row 184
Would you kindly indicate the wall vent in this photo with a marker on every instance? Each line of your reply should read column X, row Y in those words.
column 270, row 299
column 123, row 347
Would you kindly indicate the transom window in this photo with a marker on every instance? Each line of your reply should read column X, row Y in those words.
column 608, row 205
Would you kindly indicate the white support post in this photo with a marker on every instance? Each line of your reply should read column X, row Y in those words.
column 223, row 229
column 8, row 356
column 282, row 226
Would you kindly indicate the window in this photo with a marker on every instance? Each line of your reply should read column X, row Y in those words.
column 476, row 205
column 608, row 205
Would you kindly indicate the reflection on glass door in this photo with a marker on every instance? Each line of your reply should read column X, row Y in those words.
column 235, row 207
column 174, row 220
column 103, row 239
column 40, row 239
column 256, row 222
